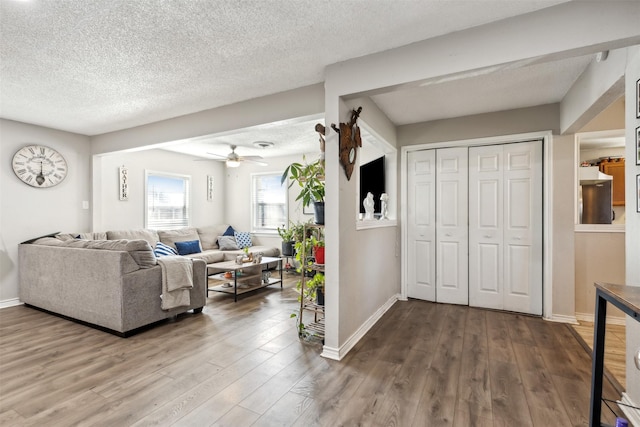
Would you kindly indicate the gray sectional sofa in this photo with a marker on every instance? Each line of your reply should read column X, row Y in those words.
column 112, row 280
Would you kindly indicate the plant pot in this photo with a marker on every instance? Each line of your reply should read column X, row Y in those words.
column 318, row 212
column 319, row 251
column 288, row 248
column 319, row 296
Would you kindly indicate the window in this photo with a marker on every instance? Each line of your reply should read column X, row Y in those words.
column 268, row 203
column 167, row 201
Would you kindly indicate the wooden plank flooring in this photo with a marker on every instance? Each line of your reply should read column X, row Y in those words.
column 615, row 349
column 241, row 364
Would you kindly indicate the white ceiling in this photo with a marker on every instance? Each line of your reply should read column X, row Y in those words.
column 93, row 67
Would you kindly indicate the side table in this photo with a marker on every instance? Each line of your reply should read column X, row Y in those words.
column 627, row 299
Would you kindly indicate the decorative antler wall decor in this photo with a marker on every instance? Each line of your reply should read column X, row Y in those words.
column 349, row 141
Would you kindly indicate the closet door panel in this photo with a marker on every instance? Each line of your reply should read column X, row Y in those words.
column 452, row 237
column 485, row 227
column 523, row 227
column 421, row 276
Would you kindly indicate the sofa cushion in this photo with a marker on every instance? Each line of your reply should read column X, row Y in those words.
column 170, row 237
column 209, row 236
column 189, row 247
column 139, row 249
column 227, row 243
column 142, row 234
column 209, row 256
column 243, row 239
column 164, row 250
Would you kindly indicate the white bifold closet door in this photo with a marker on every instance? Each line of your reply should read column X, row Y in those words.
column 452, row 244
column 505, row 227
column 438, row 225
column 421, row 227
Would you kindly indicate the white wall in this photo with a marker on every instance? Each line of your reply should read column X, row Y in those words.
column 27, row 212
column 632, row 242
column 114, row 214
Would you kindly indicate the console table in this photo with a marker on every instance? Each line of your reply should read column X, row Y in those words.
column 627, row 299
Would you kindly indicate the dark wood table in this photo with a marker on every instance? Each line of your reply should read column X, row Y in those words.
column 627, row 299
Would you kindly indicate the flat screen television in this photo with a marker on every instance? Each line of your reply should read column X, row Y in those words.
column 372, row 181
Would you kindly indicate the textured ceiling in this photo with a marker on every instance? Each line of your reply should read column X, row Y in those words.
column 95, row 66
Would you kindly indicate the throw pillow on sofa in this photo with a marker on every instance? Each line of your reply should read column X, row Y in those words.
column 164, row 250
column 243, row 239
column 188, row 247
column 227, row 243
column 229, row 231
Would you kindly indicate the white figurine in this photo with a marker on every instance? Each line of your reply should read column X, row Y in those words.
column 384, row 198
column 368, row 204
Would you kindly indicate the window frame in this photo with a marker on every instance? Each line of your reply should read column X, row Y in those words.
column 188, row 207
column 285, row 196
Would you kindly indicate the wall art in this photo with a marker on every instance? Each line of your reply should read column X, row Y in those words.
column 210, row 187
column 123, row 174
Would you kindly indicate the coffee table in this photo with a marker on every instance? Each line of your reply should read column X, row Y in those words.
column 247, row 281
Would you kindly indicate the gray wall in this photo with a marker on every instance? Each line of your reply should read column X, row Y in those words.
column 27, row 212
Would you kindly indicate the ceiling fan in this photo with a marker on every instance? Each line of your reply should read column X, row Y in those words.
column 233, row 160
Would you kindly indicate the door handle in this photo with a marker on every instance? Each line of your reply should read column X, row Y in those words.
column 448, row 234
column 487, row 236
column 517, row 238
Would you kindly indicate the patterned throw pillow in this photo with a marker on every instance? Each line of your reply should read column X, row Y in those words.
column 243, row 239
column 190, row 247
column 164, row 250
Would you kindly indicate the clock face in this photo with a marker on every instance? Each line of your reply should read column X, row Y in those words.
column 39, row 166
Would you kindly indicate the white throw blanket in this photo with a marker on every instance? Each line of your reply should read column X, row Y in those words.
column 177, row 279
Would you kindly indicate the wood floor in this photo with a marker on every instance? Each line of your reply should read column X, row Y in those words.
column 241, row 364
column 615, row 349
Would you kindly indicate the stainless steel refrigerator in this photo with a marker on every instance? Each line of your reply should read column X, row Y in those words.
column 597, row 203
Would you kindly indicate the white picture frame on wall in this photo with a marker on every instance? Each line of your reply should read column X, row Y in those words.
column 210, row 182
column 123, row 188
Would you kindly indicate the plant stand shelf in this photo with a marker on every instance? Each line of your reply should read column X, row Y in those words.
column 309, row 307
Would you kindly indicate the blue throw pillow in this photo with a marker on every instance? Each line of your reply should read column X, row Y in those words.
column 163, row 249
column 189, row 247
column 229, row 231
column 243, row 239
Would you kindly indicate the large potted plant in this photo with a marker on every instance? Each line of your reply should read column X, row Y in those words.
column 310, row 179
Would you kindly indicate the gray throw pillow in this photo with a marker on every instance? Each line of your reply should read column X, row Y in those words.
column 227, row 243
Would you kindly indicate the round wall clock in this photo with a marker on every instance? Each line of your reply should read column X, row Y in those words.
column 39, row 166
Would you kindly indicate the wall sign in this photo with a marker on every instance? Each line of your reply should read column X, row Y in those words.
column 123, row 174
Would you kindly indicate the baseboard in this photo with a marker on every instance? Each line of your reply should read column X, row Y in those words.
column 586, row 317
column 630, row 410
column 560, row 318
column 339, row 353
column 10, row 303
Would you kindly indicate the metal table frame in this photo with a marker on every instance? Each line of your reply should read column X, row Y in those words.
column 627, row 299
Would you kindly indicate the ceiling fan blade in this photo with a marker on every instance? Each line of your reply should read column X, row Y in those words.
column 219, row 157
column 252, row 158
column 257, row 162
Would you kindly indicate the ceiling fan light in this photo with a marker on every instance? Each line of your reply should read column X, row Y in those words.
column 233, row 163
